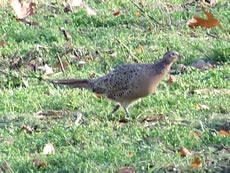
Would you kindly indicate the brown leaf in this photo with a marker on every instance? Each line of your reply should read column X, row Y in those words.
column 202, row 107
column 27, row 128
column 196, row 163
column 22, row 10
column 99, row 96
column 153, row 118
column 184, row 152
column 2, row 43
column 171, row 80
column 139, row 48
column 66, row 34
column 141, row 4
column 39, row 163
column 127, row 170
column 223, row 133
column 197, row 135
column 48, row 149
column 130, row 154
column 207, row 23
column 137, row 13
column 64, row 63
column 150, row 29
column 116, row 13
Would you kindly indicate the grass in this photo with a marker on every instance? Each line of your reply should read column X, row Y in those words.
column 100, row 143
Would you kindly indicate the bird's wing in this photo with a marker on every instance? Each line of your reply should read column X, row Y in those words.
column 120, row 78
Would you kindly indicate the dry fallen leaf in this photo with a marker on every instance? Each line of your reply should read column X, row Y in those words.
column 66, row 34
column 197, row 135
column 48, row 149
column 2, row 43
column 39, row 163
column 139, row 48
column 184, row 152
column 22, row 10
column 202, row 107
column 117, row 13
column 153, row 118
column 127, row 170
column 207, row 23
column 80, row 3
column 137, row 13
column 64, row 63
column 47, row 70
column 99, row 96
column 223, row 133
column 27, row 128
column 171, row 80
column 196, row 163
column 130, row 154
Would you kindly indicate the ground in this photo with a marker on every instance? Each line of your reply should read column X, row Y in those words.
column 34, row 112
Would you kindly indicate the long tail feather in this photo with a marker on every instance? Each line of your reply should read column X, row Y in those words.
column 73, row 83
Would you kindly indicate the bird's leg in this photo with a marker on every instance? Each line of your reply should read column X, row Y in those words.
column 115, row 109
column 127, row 112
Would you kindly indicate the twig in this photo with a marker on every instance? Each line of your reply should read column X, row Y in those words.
column 144, row 12
column 130, row 52
column 59, row 59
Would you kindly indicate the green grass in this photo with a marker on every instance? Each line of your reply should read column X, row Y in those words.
column 100, row 143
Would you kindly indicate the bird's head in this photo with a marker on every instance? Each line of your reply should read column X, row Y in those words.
column 171, row 56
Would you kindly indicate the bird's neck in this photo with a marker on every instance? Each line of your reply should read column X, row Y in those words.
column 162, row 67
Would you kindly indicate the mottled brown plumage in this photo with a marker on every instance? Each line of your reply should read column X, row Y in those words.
column 127, row 83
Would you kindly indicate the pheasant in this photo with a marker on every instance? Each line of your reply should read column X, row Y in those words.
column 127, row 83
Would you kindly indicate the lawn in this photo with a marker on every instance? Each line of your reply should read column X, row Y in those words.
column 86, row 138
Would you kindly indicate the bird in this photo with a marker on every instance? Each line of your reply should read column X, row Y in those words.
column 127, row 83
